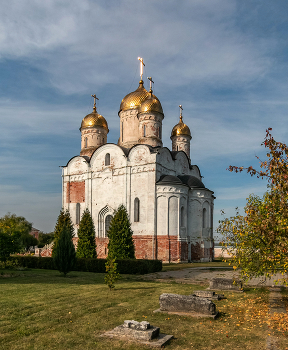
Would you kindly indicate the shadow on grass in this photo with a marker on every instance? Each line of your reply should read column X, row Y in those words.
column 39, row 276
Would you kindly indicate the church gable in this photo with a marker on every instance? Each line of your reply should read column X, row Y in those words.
column 108, row 156
column 140, row 155
column 77, row 165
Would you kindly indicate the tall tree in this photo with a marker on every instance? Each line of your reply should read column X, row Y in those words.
column 86, row 247
column 121, row 245
column 13, row 230
column 64, row 255
column 63, row 219
column 7, row 245
column 260, row 237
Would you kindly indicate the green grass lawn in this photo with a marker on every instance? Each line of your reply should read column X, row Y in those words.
column 40, row 309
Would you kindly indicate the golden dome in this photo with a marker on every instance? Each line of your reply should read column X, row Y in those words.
column 135, row 98
column 181, row 129
column 151, row 104
column 93, row 120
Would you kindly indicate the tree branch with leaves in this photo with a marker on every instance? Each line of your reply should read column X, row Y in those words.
column 259, row 238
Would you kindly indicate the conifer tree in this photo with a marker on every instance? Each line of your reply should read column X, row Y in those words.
column 64, row 255
column 112, row 274
column 86, row 243
column 121, row 245
column 63, row 219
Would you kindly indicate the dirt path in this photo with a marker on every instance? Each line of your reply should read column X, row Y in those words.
column 202, row 275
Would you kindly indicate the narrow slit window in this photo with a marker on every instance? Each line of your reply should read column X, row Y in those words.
column 204, row 218
column 77, row 213
column 136, row 210
column 86, row 142
column 107, row 159
column 182, row 219
column 122, row 131
column 107, row 224
column 144, row 131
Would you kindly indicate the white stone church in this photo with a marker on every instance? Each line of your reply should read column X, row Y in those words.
column 170, row 210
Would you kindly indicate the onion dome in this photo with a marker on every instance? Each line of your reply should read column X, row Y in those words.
column 151, row 104
column 135, row 98
column 93, row 120
column 181, row 129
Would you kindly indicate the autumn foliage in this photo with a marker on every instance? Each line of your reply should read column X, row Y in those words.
column 260, row 237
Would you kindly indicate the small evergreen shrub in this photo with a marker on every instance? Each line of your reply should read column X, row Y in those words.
column 112, row 274
column 63, row 219
column 86, row 247
column 64, row 254
column 121, row 245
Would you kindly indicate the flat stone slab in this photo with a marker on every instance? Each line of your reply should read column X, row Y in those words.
column 160, row 341
column 189, row 314
column 147, row 335
column 225, row 284
column 187, row 304
column 208, row 294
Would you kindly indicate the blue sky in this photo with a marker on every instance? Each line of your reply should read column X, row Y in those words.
column 225, row 61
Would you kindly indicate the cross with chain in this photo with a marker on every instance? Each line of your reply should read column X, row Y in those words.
column 141, row 67
column 181, row 109
column 151, row 82
column 95, row 98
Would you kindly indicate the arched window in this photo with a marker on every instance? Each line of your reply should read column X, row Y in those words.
column 177, row 148
column 159, row 132
column 204, row 218
column 107, row 224
column 86, row 142
column 77, row 213
column 136, row 210
column 144, row 131
column 103, row 140
column 182, row 218
column 107, row 159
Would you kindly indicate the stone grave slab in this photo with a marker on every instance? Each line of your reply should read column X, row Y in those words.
column 140, row 332
column 208, row 294
column 228, row 284
column 186, row 305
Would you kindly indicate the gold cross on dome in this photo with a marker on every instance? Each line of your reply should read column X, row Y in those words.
column 141, row 67
column 181, row 109
column 151, row 82
column 95, row 98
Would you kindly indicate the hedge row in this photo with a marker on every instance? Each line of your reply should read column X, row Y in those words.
column 129, row 266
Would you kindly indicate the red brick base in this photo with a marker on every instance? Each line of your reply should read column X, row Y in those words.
column 165, row 248
column 198, row 253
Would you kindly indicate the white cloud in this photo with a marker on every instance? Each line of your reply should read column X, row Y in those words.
column 180, row 42
column 40, row 208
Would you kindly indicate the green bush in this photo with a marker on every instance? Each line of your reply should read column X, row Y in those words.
column 128, row 266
